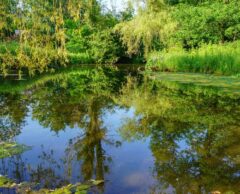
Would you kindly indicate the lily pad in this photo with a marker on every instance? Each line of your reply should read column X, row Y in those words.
column 5, row 182
column 97, row 182
column 23, row 188
column 8, row 149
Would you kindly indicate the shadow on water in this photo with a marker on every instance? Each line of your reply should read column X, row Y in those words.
column 139, row 135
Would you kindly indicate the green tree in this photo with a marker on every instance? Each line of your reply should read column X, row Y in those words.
column 149, row 30
column 210, row 22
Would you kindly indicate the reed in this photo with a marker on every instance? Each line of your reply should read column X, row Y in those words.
column 223, row 59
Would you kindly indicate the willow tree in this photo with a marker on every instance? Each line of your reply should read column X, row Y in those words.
column 149, row 29
column 42, row 32
column 42, row 36
column 8, row 24
column 8, row 10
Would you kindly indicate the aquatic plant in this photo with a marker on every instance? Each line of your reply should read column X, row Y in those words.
column 8, row 149
column 27, row 187
column 5, row 182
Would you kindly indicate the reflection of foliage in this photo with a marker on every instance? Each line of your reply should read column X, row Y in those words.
column 194, row 135
column 88, row 147
column 76, row 98
column 60, row 103
column 12, row 113
column 64, row 102
column 46, row 178
column 46, row 172
column 10, row 149
column 188, row 127
column 226, row 85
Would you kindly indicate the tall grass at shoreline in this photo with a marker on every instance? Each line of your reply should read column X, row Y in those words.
column 221, row 59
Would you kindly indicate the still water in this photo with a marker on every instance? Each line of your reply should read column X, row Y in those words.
column 140, row 135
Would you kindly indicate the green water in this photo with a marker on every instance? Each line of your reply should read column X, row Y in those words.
column 166, row 133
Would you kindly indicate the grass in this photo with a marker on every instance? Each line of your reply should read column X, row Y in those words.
column 222, row 59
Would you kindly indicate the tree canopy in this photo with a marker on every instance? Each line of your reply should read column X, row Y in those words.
column 39, row 36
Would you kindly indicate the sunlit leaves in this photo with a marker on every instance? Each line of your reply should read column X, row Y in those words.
column 40, row 27
column 149, row 30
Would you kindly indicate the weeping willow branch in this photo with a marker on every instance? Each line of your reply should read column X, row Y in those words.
column 42, row 33
column 149, row 30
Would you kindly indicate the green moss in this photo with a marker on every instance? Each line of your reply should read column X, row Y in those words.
column 8, row 149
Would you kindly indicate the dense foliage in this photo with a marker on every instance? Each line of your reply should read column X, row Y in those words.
column 38, row 36
column 166, row 31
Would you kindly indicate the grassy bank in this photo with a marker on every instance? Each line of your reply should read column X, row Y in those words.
column 223, row 59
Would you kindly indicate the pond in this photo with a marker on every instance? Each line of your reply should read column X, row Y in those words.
column 137, row 133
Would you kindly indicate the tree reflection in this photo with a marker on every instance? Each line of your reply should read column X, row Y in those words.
column 194, row 135
column 47, row 171
column 80, row 100
column 194, row 131
column 13, row 110
column 77, row 99
column 14, row 167
column 89, row 147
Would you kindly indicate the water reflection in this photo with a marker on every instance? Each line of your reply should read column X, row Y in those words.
column 13, row 111
column 76, row 100
column 192, row 132
column 194, row 136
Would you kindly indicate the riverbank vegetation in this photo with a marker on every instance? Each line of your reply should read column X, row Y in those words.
column 9, row 185
column 169, row 35
column 219, row 59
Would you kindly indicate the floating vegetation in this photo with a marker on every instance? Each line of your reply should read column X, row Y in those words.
column 5, row 182
column 26, row 187
column 8, row 149
column 224, row 84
